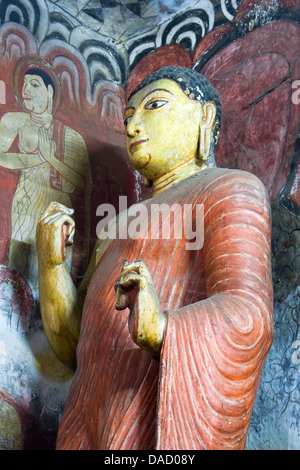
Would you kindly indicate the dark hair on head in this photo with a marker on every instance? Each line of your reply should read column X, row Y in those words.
column 44, row 76
column 193, row 84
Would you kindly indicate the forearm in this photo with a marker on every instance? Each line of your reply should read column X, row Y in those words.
column 18, row 161
column 135, row 290
column 61, row 308
column 152, row 321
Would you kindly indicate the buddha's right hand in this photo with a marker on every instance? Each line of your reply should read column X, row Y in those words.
column 55, row 231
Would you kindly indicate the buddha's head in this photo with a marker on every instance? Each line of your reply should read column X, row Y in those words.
column 38, row 91
column 172, row 117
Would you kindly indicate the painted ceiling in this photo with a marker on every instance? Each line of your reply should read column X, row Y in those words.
column 112, row 36
column 122, row 19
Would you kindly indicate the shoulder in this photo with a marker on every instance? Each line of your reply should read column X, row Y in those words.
column 226, row 181
column 218, row 175
column 239, row 195
column 225, row 190
column 15, row 120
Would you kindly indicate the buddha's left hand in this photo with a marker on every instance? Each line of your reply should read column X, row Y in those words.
column 135, row 290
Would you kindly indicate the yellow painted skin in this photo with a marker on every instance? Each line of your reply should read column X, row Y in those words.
column 168, row 140
column 151, row 320
column 164, row 129
column 10, row 428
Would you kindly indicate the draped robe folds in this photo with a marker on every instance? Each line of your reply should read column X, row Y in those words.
column 199, row 394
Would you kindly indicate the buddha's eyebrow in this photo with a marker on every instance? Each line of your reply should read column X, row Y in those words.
column 129, row 108
column 150, row 92
column 157, row 89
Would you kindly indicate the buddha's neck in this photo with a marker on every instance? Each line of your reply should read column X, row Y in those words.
column 43, row 119
column 174, row 176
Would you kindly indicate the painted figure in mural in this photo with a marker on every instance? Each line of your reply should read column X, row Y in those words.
column 52, row 159
column 179, row 368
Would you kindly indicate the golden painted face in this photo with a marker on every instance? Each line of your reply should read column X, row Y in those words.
column 35, row 94
column 162, row 127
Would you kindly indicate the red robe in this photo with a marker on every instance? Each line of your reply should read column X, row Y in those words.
column 200, row 393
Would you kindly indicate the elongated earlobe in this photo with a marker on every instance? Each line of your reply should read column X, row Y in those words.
column 50, row 99
column 206, row 130
column 147, row 183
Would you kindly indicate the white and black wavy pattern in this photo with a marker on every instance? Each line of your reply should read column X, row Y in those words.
column 106, row 59
column 137, row 48
column 60, row 26
column 229, row 8
column 33, row 14
column 186, row 28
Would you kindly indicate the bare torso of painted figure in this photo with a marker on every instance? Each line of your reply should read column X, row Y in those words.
column 43, row 150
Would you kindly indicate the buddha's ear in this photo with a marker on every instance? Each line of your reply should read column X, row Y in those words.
column 50, row 99
column 206, row 129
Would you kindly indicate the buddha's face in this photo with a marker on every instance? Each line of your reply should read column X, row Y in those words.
column 35, row 94
column 162, row 127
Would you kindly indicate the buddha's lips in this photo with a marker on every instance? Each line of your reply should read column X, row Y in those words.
column 137, row 142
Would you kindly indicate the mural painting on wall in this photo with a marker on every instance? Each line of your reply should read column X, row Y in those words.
column 52, row 159
column 51, row 142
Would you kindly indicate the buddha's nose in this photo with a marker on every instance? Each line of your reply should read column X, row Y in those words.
column 134, row 127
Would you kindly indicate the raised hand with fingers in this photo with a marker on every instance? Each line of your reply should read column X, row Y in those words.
column 55, row 231
column 59, row 300
column 47, row 145
column 135, row 290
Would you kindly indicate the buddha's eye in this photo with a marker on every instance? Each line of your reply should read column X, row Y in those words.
column 35, row 83
column 156, row 104
column 127, row 121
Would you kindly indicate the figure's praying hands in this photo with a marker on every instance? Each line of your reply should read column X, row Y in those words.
column 135, row 290
column 47, row 145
